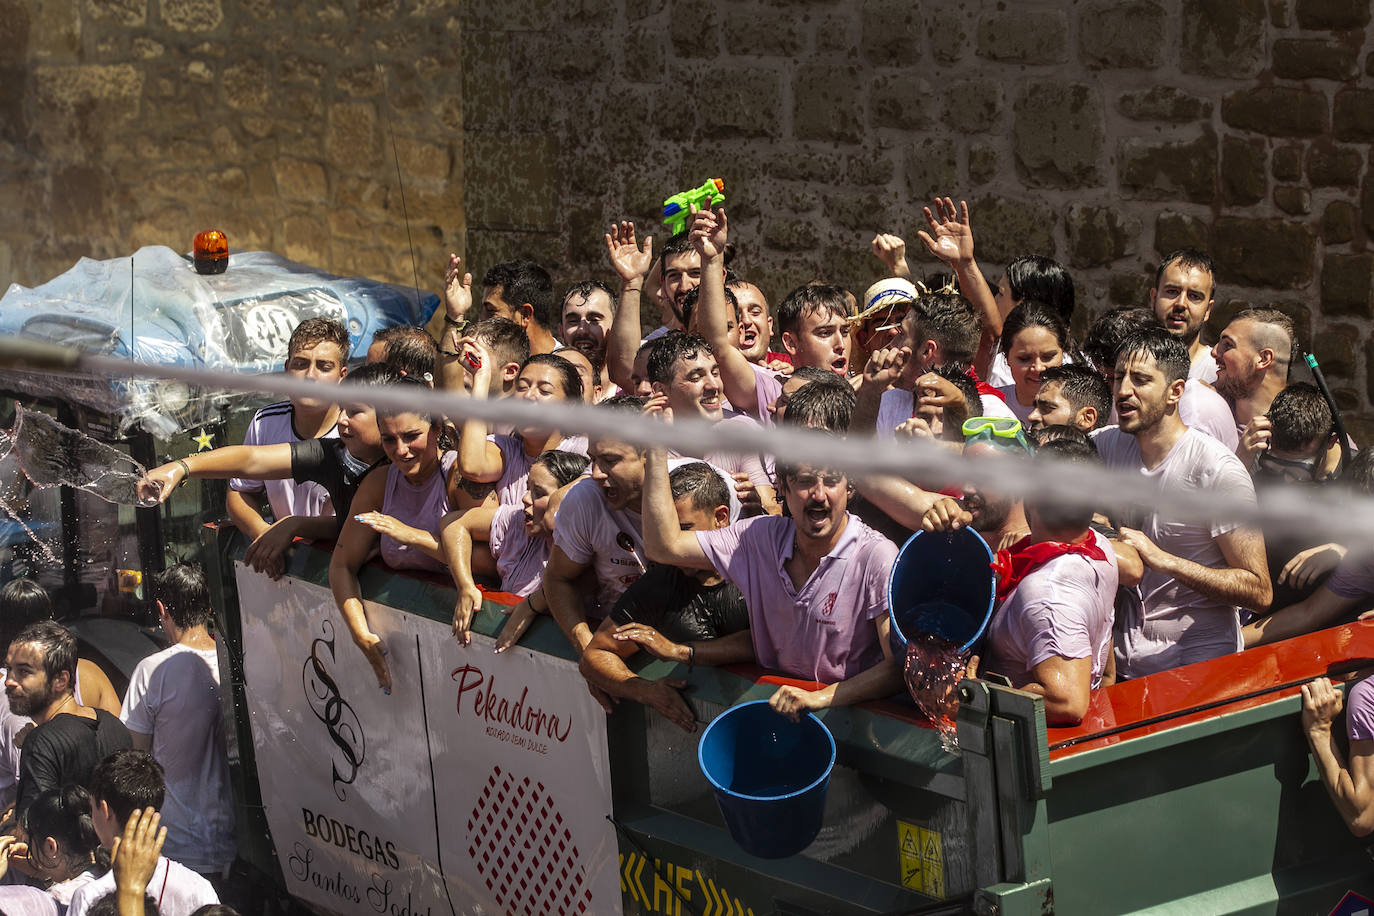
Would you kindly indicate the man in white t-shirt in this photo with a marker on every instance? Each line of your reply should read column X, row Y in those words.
column 1197, row 575
column 124, row 785
column 173, row 709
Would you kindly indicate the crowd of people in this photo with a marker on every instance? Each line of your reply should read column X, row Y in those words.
column 713, row 558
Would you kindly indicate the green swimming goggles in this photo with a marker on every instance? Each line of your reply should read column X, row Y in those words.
column 1003, row 432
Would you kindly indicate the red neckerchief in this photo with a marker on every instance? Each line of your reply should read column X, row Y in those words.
column 983, row 387
column 1020, row 560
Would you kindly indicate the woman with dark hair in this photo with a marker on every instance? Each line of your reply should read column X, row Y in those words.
column 62, row 842
column 1034, row 338
column 546, row 379
column 520, row 539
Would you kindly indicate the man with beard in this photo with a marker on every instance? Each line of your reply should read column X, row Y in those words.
column 1252, row 356
column 1198, row 574
column 1071, row 395
column 815, row 584
column 1182, row 299
column 523, row 292
column 999, row 521
column 68, row 739
column 588, row 314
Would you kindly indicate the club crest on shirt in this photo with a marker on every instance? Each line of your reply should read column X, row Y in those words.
column 828, row 606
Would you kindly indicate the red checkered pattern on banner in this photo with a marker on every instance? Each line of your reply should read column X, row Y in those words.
column 523, row 850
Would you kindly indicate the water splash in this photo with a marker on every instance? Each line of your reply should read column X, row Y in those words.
column 51, row 454
column 933, row 669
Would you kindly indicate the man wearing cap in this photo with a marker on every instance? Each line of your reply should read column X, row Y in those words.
column 1198, row 574
column 815, row 583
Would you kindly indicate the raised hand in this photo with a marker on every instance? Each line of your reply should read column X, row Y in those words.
column 134, row 856
column 885, row 366
column 951, row 233
column 457, row 289
column 891, row 250
column 709, row 232
column 629, row 260
column 157, row 485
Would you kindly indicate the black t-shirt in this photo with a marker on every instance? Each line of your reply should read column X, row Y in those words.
column 328, row 463
column 680, row 607
column 64, row 750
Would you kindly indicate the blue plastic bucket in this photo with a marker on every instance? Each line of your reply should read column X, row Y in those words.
column 769, row 775
column 943, row 584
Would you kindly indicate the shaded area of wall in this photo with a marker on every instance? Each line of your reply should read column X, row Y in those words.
column 135, row 122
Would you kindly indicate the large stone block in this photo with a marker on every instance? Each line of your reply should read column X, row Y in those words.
column 1057, row 134
column 422, row 159
column 1293, row 200
column 1333, row 14
column 900, row 100
column 1099, row 235
column 892, row 32
column 865, row 212
column 1223, row 37
column 742, row 102
column 973, row 106
column 932, row 167
column 486, row 80
column 299, row 180
column 52, row 31
column 1244, row 178
column 1263, row 252
column 1329, row 165
column 1287, row 165
column 510, row 15
column 351, row 141
column 828, row 103
column 748, row 32
column 1025, row 36
column 1179, row 230
column 1164, row 103
column 1165, row 171
column 1335, row 350
column 192, row 15
column 245, row 86
column 1301, row 58
column 1346, row 283
column 789, row 234
column 646, row 54
column 695, row 28
column 1338, row 222
column 1116, row 35
column 124, row 12
column 982, row 163
column 79, row 193
column 948, row 35
column 513, row 181
column 1008, row 228
column 1279, row 111
column 1354, row 115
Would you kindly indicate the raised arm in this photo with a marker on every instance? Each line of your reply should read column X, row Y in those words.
column 479, row 459
column 664, row 539
column 457, row 302
column 356, row 544
column 1351, row 787
column 907, row 504
column 1244, row 581
column 951, row 240
column 631, row 264
column 709, row 233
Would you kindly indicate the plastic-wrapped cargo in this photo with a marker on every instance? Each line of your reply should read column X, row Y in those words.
column 154, row 308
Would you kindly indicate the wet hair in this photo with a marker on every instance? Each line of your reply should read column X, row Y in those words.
column 1032, row 313
column 22, row 602
column 1186, row 257
column 950, row 321
column 673, row 346
column 402, row 383
column 1299, row 414
column 524, row 282
column 564, row 466
column 409, row 349
column 1279, row 334
column 1054, row 432
column 184, row 593
column 1081, row 387
column 1110, row 330
column 625, row 403
column 959, row 378
column 585, row 290
column 314, row 331
column 699, row 479
column 678, row 244
column 817, row 374
column 58, row 645
column 689, row 305
column 1043, row 279
column 1067, row 445
column 814, row 297
column 373, row 375
column 64, row 814
column 128, row 781
column 1359, row 473
column 1168, row 351
column 505, row 340
column 572, row 382
column 108, row 905
column 822, row 406
column 216, row 909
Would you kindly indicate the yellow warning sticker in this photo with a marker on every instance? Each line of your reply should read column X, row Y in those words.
column 921, row 859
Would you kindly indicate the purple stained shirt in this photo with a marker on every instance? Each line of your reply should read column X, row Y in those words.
column 1063, row 608
column 510, row 489
column 825, row 630
column 767, row 389
column 750, row 465
column 1354, row 577
column 423, row 507
column 520, row 559
column 1359, row 711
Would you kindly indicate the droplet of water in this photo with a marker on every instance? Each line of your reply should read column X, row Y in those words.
column 933, row 669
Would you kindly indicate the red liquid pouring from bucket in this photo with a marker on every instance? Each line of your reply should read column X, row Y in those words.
column 932, row 671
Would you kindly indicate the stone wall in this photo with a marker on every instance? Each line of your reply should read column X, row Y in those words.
column 134, row 122
column 1103, row 132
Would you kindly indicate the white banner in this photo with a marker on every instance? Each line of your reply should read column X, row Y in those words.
column 479, row 786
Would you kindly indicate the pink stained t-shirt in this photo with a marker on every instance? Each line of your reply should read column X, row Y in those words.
column 1359, row 711
column 767, row 389
column 510, row 489
column 611, row 542
column 419, row 507
column 825, row 631
column 1063, row 608
column 1179, row 626
column 751, row 465
column 520, row 559
column 1203, row 409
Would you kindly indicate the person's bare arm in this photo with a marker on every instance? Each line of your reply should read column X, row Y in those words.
column 1129, row 567
column 478, row 458
column 951, row 240
column 903, row 501
column 883, row 679
column 1244, row 581
column 1351, row 788
column 245, row 515
column 267, row 553
column 255, row 462
column 883, row 369
column 564, row 598
column 356, row 543
column 1322, row 608
column 664, row 539
column 96, row 690
column 631, row 263
column 709, row 235
column 456, row 534
column 1065, row 683
column 891, row 250
column 457, row 302
column 603, row 665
